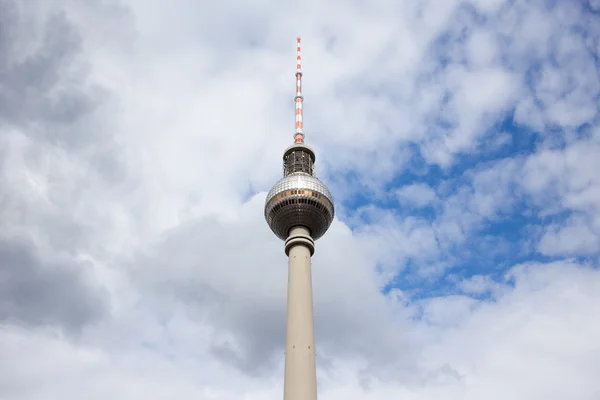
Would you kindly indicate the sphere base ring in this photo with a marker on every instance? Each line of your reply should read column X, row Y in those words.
column 299, row 239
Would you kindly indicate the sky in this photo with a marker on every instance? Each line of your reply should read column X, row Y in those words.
column 460, row 141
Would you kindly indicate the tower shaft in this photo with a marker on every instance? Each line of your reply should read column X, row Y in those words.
column 300, row 380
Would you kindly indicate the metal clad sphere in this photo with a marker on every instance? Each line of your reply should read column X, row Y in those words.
column 299, row 200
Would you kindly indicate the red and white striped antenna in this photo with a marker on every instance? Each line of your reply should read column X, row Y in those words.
column 299, row 135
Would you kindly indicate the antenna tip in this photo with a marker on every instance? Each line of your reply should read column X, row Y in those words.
column 298, row 39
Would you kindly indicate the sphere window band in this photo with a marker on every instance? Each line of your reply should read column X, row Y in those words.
column 309, row 193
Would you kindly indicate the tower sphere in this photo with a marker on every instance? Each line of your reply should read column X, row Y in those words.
column 299, row 199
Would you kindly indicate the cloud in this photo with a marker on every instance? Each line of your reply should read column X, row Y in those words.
column 517, row 326
column 245, row 303
column 38, row 291
column 418, row 195
column 572, row 237
column 531, row 327
column 480, row 285
column 45, row 278
column 44, row 88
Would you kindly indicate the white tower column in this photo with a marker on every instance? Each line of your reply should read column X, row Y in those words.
column 300, row 380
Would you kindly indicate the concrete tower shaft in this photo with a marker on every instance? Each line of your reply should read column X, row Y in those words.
column 300, row 376
column 299, row 209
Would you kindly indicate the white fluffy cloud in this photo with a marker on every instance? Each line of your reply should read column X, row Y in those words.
column 138, row 139
column 417, row 194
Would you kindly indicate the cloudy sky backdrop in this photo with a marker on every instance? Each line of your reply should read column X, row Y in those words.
column 461, row 141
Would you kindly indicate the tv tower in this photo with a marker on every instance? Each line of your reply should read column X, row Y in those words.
column 299, row 209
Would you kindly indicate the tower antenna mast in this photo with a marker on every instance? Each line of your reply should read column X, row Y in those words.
column 299, row 136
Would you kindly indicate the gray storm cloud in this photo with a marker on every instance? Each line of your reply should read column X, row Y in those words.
column 35, row 292
column 44, row 103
